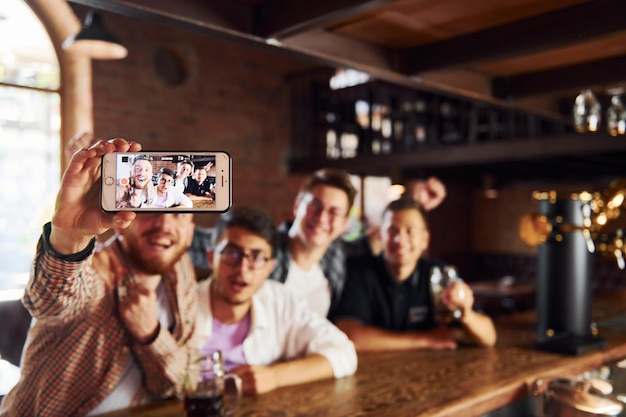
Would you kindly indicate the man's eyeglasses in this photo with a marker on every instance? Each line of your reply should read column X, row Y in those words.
column 234, row 256
column 164, row 181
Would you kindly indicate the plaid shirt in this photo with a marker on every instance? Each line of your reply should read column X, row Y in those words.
column 78, row 347
column 333, row 265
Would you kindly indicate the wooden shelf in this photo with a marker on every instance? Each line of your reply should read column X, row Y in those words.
column 377, row 128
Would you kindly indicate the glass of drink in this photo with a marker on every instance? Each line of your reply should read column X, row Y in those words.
column 209, row 391
column 443, row 280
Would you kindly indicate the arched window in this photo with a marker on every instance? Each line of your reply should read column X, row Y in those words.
column 29, row 139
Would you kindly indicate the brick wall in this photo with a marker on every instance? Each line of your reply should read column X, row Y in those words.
column 235, row 98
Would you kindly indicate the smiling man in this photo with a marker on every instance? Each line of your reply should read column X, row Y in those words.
column 267, row 335
column 387, row 302
column 200, row 185
column 183, row 174
column 138, row 190
column 311, row 258
column 167, row 195
column 111, row 322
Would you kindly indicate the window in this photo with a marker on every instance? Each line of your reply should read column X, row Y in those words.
column 29, row 139
column 373, row 195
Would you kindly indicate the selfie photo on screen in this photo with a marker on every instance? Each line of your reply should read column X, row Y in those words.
column 155, row 181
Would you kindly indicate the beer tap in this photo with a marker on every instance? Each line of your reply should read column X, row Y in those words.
column 598, row 210
column 568, row 229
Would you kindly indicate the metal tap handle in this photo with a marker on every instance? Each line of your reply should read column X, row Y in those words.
column 618, row 251
column 591, row 246
column 586, row 209
column 619, row 257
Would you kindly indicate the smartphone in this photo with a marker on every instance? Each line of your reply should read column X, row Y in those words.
column 198, row 181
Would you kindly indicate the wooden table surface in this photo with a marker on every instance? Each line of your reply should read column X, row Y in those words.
column 204, row 203
column 467, row 382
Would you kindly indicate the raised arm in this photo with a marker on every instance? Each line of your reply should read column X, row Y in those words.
column 78, row 217
column 61, row 275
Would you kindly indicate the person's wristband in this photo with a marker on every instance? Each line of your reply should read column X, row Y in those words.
column 72, row 257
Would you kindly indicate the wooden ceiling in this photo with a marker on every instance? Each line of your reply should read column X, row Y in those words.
column 529, row 53
column 506, row 50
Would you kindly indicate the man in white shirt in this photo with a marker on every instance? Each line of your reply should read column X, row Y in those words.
column 183, row 174
column 167, row 195
column 268, row 336
column 310, row 256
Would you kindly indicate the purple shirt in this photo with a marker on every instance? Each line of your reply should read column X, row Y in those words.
column 229, row 338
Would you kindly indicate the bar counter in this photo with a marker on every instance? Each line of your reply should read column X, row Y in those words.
column 469, row 381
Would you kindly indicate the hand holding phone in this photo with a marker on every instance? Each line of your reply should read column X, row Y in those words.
column 77, row 215
column 198, row 181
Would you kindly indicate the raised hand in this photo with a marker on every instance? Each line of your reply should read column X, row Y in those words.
column 458, row 295
column 429, row 193
column 77, row 216
column 78, row 142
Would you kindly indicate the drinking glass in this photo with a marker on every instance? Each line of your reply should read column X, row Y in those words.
column 442, row 280
column 204, row 388
column 587, row 112
column 616, row 117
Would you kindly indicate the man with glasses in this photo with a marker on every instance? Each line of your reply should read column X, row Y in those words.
column 167, row 195
column 268, row 336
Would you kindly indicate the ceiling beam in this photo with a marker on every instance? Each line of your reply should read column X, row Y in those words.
column 279, row 19
column 343, row 51
column 588, row 20
column 231, row 18
column 588, row 75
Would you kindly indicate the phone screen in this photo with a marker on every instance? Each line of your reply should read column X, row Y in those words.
column 166, row 181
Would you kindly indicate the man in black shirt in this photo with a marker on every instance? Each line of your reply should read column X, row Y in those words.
column 200, row 186
column 387, row 302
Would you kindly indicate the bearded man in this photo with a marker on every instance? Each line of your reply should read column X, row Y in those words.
column 111, row 324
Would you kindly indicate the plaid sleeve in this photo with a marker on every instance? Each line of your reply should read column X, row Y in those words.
column 57, row 285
